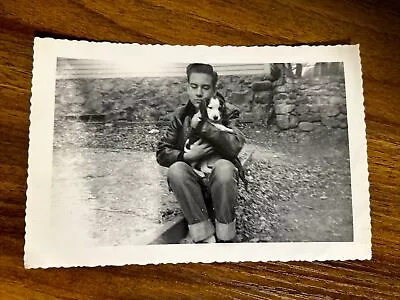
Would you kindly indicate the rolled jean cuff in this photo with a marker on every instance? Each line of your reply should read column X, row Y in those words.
column 225, row 232
column 202, row 230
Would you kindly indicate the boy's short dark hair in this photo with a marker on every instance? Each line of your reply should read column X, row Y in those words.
column 202, row 68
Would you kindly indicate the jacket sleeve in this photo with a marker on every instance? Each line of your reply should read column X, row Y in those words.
column 167, row 149
column 228, row 144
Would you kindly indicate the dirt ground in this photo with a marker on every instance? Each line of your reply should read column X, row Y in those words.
column 299, row 191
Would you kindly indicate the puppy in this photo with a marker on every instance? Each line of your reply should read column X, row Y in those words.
column 213, row 110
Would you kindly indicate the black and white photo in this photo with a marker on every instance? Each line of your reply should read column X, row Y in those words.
column 147, row 154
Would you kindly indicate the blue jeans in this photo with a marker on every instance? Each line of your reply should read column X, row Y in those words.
column 193, row 194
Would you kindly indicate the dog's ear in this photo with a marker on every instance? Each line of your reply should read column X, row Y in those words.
column 221, row 103
column 224, row 112
column 221, row 100
column 219, row 96
column 203, row 110
column 224, row 117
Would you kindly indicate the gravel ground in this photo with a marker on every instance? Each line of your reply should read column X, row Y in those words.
column 301, row 187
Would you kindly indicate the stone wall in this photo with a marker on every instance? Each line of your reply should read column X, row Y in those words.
column 299, row 103
column 308, row 103
column 142, row 99
column 133, row 99
column 252, row 94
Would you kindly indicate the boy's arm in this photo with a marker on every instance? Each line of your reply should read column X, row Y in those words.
column 228, row 144
column 167, row 149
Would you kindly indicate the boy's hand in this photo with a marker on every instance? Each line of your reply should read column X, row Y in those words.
column 198, row 150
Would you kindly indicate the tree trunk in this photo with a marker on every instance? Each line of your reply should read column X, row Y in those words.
column 289, row 70
column 299, row 70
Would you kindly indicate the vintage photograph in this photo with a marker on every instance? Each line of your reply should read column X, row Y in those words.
column 118, row 137
column 193, row 152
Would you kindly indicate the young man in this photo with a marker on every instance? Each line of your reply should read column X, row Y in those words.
column 188, row 187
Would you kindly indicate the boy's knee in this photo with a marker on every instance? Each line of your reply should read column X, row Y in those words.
column 224, row 171
column 177, row 170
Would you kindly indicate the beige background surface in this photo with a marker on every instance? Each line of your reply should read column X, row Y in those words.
column 372, row 24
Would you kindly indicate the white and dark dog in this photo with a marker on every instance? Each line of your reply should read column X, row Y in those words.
column 213, row 110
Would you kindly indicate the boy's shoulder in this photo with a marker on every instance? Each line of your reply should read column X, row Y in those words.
column 178, row 115
column 180, row 111
column 232, row 111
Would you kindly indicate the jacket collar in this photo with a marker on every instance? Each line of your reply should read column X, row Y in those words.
column 232, row 110
column 190, row 110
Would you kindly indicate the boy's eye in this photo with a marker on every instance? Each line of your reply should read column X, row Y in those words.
column 193, row 86
column 209, row 107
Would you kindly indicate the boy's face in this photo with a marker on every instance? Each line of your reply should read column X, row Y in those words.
column 200, row 88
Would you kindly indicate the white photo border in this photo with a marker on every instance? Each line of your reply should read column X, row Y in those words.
column 41, row 253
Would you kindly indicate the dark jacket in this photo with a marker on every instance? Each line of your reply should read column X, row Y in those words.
column 170, row 148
